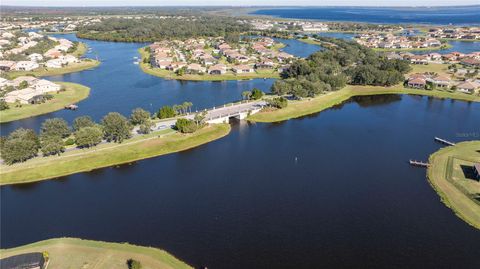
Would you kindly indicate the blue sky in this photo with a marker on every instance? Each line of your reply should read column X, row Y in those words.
column 237, row 2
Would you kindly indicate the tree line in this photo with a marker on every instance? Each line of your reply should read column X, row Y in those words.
column 151, row 29
column 340, row 62
column 55, row 133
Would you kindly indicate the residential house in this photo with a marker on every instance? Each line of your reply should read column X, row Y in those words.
column 218, row 69
column 242, row 69
column 6, row 65
column 468, row 87
column 470, row 62
column 195, row 69
column 25, row 65
column 35, row 57
column 441, row 81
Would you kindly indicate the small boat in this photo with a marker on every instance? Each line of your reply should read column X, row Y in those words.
column 71, row 107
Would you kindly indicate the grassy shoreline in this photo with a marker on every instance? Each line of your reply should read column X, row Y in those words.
column 229, row 76
column 44, row 71
column 442, row 47
column 296, row 109
column 109, row 154
column 79, row 253
column 73, row 93
column 452, row 196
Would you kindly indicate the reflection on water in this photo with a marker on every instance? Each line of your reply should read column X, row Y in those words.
column 320, row 191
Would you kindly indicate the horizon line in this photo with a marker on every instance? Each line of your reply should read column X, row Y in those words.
column 243, row 6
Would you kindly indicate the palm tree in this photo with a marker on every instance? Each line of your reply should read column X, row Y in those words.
column 246, row 95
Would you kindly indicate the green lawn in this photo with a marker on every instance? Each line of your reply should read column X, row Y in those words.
column 228, row 76
column 447, row 177
column 109, row 154
column 73, row 94
column 86, row 254
column 440, row 69
column 44, row 71
column 308, row 106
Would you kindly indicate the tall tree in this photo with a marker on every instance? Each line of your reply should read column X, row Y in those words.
column 55, row 127
column 51, row 145
column 166, row 112
column 116, row 127
column 88, row 137
column 139, row 116
column 20, row 145
column 82, row 121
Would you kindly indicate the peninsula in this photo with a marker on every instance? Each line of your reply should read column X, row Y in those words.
column 79, row 253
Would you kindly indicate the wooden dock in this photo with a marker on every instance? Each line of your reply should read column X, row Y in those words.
column 443, row 141
column 418, row 163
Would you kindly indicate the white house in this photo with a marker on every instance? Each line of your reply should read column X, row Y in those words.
column 35, row 57
column 25, row 66
column 54, row 63
column 43, row 86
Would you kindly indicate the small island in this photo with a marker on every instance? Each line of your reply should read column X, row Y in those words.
column 454, row 174
column 79, row 253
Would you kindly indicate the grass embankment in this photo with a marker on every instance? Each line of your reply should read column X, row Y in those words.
column 81, row 49
column 296, row 109
column 310, row 41
column 45, row 71
column 442, row 47
column 78, row 253
column 459, row 39
column 108, row 154
column 447, row 175
column 73, row 93
column 147, row 68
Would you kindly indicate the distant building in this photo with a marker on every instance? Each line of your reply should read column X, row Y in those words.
column 24, row 261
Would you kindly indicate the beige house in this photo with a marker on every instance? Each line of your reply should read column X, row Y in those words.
column 468, row 87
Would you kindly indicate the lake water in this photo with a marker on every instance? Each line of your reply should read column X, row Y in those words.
column 119, row 85
column 331, row 190
column 387, row 15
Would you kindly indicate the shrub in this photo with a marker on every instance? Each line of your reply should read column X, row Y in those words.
column 186, row 125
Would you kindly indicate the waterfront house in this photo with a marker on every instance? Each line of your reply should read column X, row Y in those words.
column 218, row 69
column 441, row 81
column 242, row 69
column 417, row 82
column 25, row 65
column 265, row 64
column 468, row 87
column 195, row 69
column 44, row 86
column 54, row 63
